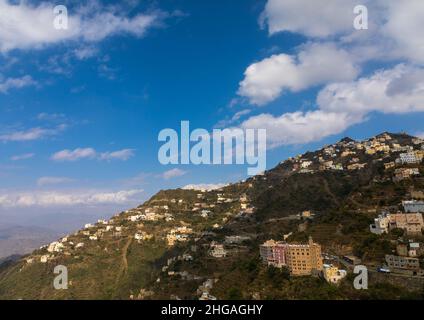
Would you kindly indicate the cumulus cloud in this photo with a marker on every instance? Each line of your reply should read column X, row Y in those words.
column 300, row 127
column 394, row 26
column 32, row 134
column 404, row 26
column 396, row 90
column 67, row 199
column 27, row 26
column 44, row 181
column 315, row 64
column 173, row 173
column 344, row 104
column 16, row 83
column 312, row 18
column 90, row 153
column 332, row 58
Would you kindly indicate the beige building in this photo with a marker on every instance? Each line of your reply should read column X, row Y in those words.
column 412, row 223
column 300, row 259
column 333, row 274
column 303, row 259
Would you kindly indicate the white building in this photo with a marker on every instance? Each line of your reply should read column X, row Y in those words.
column 409, row 158
column 55, row 247
column 381, row 224
column 413, row 206
column 79, row 245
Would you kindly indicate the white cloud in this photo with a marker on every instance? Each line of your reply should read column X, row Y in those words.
column 22, row 156
column 394, row 35
column 16, row 83
column 44, row 181
column 394, row 26
column 67, row 199
column 404, row 26
column 90, row 153
column 173, row 173
column 51, row 116
column 27, row 26
column 236, row 117
column 341, row 105
column 84, row 53
column 32, row 134
column 74, row 155
column 318, row 18
column 299, row 127
column 205, row 186
column 397, row 90
column 124, row 155
column 315, row 64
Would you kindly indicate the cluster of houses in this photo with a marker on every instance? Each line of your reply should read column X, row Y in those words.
column 406, row 260
column 411, row 220
column 346, row 155
column 178, row 234
column 66, row 246
column 405, row 173
column 156, row 210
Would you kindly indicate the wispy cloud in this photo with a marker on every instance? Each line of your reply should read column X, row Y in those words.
column 32, row 133
column 36, row 198
column 173, row 173
column 16, row 83
column 44, row 116
column 91, row 153
column 24, row 156
column 124, row 155
column 74, row 155
column 44, row 181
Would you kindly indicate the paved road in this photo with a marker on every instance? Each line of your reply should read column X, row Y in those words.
column 372, row 269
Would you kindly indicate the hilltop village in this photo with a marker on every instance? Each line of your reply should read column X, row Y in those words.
column 304, row 224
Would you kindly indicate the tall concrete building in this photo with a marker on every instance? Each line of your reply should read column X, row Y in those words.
column 304, row 259
column 300, row 259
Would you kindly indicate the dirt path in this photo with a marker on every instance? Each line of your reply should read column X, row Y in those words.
column 124, row 267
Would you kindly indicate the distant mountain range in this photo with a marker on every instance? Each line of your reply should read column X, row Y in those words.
column 18, row 240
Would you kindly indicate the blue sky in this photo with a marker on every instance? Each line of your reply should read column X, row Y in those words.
column 81, row 110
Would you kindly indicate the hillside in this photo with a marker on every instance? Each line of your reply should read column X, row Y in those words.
column 161, row 249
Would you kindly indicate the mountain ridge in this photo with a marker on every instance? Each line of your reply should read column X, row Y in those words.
column 130, row 256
